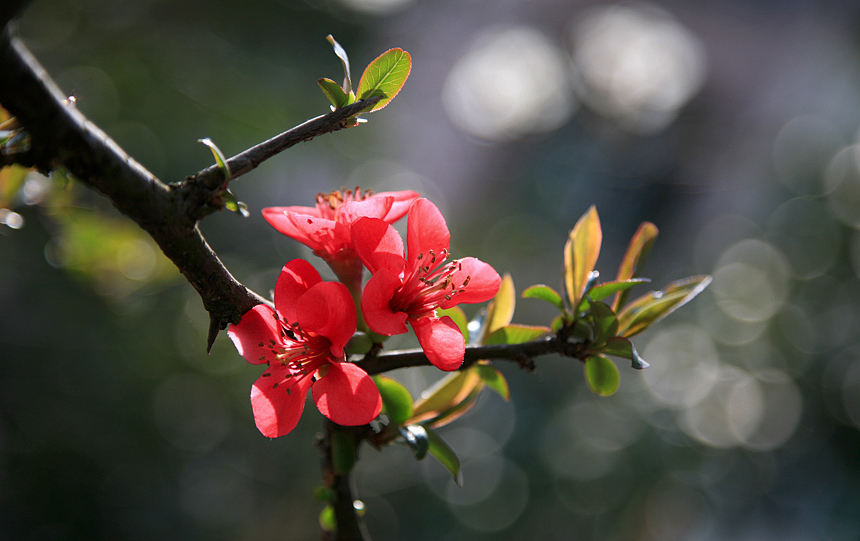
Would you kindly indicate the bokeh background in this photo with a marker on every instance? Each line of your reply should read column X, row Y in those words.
column 730, row 125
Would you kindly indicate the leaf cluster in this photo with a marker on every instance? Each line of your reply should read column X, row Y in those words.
column 596, row 321
column 384, row 77
column 596, row 316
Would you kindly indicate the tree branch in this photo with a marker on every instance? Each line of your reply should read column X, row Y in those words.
column 61, row 136
column 245, row 162
column 521, row 353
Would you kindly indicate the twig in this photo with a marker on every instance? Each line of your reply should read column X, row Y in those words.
column 385, row 362
column 244, row 162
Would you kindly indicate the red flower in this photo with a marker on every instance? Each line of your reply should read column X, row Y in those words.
column 411, row 289
column 325, row 228
column 302, row 342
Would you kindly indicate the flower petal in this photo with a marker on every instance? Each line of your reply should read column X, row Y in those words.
column 375, row 304
column 295, row 279
column 277, row 217
column 378, row 245
column 347, row 395
column 278, row 403
column 425, row 230
column 257, row 326
column 484, row 282
column 402, row 201
column 372, row 207
column 442, row 341
column 327, row 309
column 326, row 237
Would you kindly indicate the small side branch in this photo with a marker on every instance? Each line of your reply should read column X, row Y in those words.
column 211, row 178
column 520, row 353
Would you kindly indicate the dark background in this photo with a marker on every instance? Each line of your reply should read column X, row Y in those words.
column 732, row 126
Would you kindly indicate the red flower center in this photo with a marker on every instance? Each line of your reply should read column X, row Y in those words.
column 426, row 286
column 300, row 352
column 328, row 204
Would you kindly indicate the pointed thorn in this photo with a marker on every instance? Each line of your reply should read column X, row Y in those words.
column 214, row 327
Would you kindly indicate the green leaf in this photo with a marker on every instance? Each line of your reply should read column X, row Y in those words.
column 500, row 310
column 445, row 455
column 328, row 522
column 416, row 439
column 494, row 379
column 446, row 394
column 344, row 59
column 343, row 452
column 644, row 311
column 234, row 205
column 385, row 76
column 605, row 324
column 459, row 317
column 396, row 399
column 219, row 157
column 634, row 259
column 516, row 334
column 582, row 331
column 458, row 410
column 600, row 292
column 618, row 346
column 580, row 255
column 544, row 293
column 333, row 92
column 602, row 375
column 637, row 251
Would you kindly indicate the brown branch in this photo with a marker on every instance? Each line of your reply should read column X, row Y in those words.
column 245, row 162
column 61, row 136
column 520, row 353
column 201, row 190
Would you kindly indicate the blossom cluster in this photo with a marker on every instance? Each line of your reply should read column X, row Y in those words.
column 302, row 340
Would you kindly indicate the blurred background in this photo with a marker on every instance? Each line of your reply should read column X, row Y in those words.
column 732, row 126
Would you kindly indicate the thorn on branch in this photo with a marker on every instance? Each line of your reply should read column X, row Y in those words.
column 215, row 325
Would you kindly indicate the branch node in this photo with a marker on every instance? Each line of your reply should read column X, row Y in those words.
column 526, row 363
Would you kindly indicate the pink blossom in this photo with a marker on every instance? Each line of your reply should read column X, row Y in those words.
column 301, row 342
column 325, row 227
column 410, row 288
